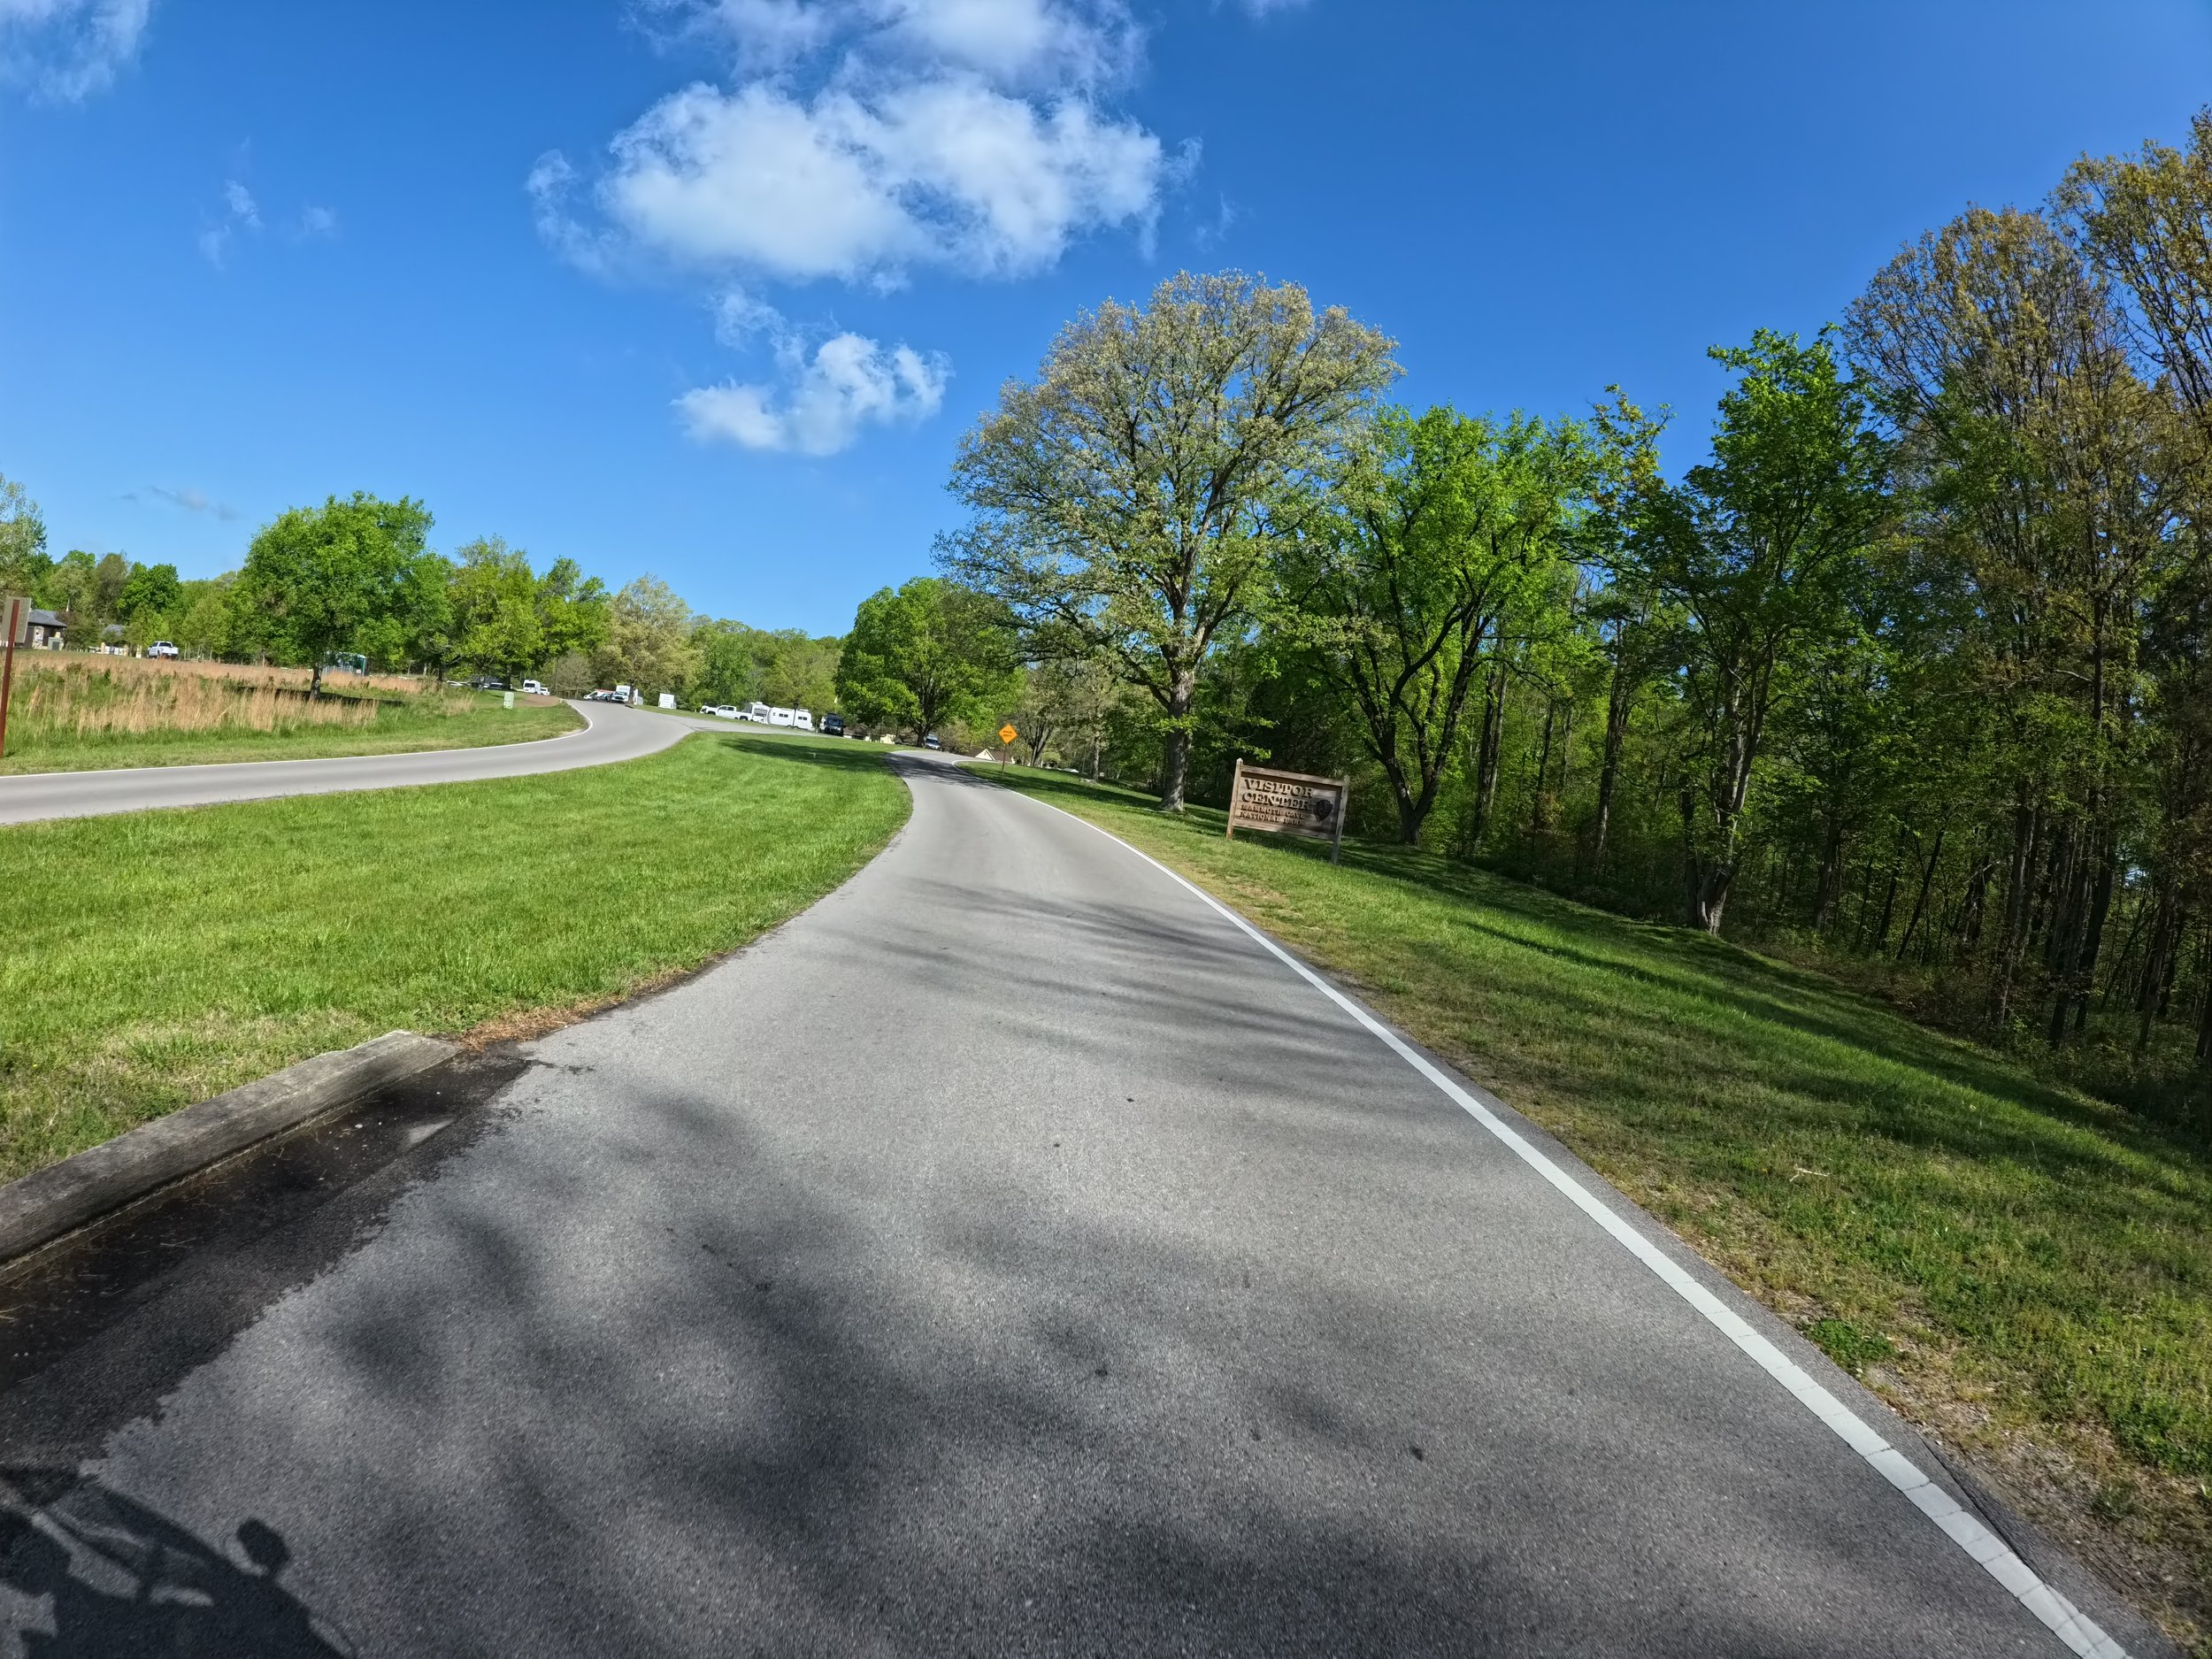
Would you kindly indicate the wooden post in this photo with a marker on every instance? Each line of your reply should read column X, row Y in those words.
column 15, row 614
column 1343, row 804
column 1236, row 794
column 7, row 687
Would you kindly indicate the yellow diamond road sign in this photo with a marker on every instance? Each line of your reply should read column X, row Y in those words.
column 1007, row 734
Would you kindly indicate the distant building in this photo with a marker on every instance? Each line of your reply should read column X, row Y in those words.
column 48, row 630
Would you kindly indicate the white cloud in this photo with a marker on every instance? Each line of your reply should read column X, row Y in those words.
column 68, row 49
column 823, row 401
column 1046, row 42
column 740, row 317
column 768, row 34
column 192, row 501
column 239, row 212
column 947, row 172
column 859, row 141
column 551, row 183
column 963, row 134
column 319, row 221
column 1043, row 43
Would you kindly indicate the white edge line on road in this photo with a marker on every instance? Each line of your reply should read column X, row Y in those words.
column 2081, row 1634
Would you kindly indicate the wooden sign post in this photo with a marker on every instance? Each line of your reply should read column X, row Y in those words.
column 1289, row 803
column 15, row 624
column 1006, row 736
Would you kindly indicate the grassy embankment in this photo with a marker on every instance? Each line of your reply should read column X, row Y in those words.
column 158, row 958
column 2021, row 1268
column 73, row 713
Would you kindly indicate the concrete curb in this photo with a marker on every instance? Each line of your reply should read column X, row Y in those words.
column 63, row 1196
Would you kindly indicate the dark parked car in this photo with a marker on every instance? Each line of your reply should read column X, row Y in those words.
column 833, row 725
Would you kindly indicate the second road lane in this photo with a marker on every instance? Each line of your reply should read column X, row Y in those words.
column 612, row 733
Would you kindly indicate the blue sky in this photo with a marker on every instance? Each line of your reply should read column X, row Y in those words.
column 711, row 289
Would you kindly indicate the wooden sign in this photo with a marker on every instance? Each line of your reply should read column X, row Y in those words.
column 1289, row 803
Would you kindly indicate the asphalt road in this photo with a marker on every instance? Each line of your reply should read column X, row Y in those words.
column 1010, row 1255
column 613, row 732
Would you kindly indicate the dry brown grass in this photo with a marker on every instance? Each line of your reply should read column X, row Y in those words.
column 240, row 673
column 115, row 696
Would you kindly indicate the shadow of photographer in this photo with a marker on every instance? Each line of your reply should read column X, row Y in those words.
column 106, row 1575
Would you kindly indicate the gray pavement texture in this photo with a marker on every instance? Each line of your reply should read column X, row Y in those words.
column 612, row 733
column 1006, row 1256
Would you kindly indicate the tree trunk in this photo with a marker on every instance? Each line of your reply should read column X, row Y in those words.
column 1413, row 806
column 2204, row 1028
column 1711, row 897
column 1920, row 904
column 1486, row 758
column 1617, row 710
column 2156, row 972
column 2142, row 913
column 2173, row 962
column 1828, row 892
column 1977, row 900
column 1705, row 882
column 2100, row 908
column 1566, row 751
column 2026, row 827
column 1537, row 816
column 1175, row 764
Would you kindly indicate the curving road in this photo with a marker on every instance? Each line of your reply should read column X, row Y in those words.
column 1012, row 1255
column 612, row 733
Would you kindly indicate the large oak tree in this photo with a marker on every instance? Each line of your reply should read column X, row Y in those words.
column 1129, row 502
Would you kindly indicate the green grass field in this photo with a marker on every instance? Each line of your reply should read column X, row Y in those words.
column 399, row 728
column 2021, row 1268
column 158, row 958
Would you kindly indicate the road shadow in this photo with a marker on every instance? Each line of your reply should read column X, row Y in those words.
column 791, row 751
column 109, row 1578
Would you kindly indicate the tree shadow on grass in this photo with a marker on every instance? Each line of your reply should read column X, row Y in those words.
column 856, row 757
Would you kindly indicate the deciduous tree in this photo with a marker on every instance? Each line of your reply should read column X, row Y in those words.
column 649, row 637
column 924, row 654
column 1128, row 502
column 495, row 617
column 1758, row 546
column 318, row 578
column 24, row 565
column 1436, row 524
